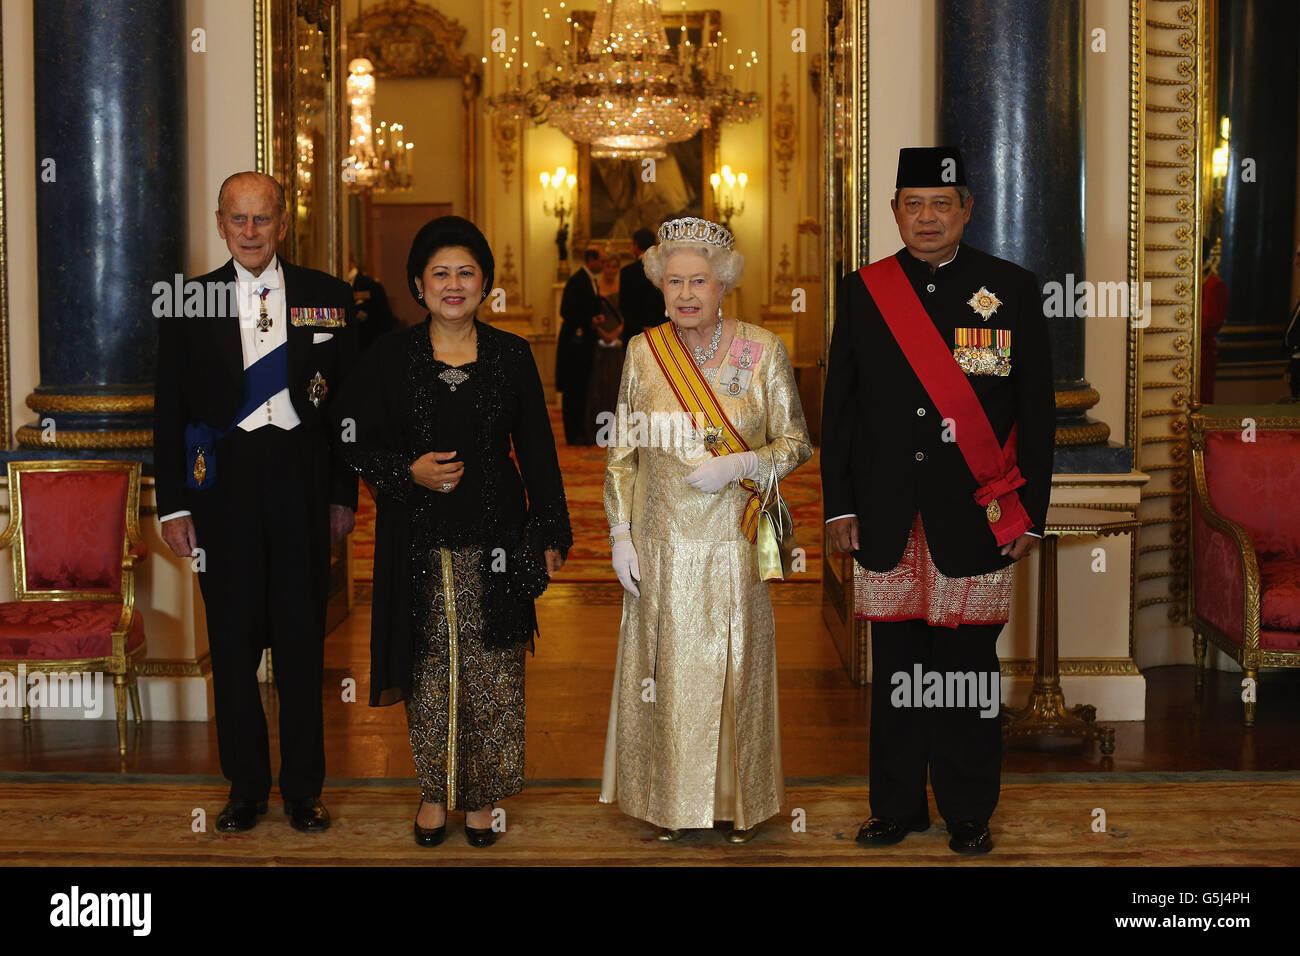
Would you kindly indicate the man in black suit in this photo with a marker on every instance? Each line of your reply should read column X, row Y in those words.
column 930, row 370
column 641, row 303
column 579, row 311
column 248, row 485
column 374, row 315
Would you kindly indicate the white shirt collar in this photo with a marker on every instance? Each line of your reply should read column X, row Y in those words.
column 269, row 278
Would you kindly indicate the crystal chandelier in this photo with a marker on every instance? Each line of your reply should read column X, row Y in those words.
column 628, row 93
column 377, row 159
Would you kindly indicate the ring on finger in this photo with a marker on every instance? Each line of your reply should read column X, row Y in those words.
column 446, row 486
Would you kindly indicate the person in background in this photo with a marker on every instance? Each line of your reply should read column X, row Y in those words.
column 641, row 303
column 580, row 312
column 374, row 316
column 1214, row 311
column 607, row 359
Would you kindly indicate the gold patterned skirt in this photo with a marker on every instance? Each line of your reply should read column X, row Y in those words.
column 917, row 590
column 466, row 708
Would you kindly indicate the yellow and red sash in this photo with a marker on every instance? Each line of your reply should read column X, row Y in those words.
column 699, row 401
column 993, row 466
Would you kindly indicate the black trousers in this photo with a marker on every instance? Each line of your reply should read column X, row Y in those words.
column 961, row 748
column 573, row 410
column 264, row 531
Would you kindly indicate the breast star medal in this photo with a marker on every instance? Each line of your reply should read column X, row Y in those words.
column 317, row 389
column 200, row 468
column 712, row 435
column 984, row 302
column 264, row 321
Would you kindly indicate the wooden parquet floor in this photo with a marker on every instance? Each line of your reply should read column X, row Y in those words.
column 1248, row 820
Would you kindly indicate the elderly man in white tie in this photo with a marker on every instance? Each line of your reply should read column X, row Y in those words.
column 247, row 484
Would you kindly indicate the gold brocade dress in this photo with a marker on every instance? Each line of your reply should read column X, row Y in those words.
column 694, row 729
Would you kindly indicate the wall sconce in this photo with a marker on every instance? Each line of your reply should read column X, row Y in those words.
column 557, row 201
column 728, row 194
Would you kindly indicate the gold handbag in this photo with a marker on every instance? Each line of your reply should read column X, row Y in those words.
column 775, row 534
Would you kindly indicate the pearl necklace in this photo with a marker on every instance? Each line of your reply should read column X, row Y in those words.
column 702, row 355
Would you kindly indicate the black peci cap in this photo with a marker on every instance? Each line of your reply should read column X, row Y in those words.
column 923, row 166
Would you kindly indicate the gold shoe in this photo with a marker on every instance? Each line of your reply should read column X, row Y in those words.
column 741, row 836
column 668, row 835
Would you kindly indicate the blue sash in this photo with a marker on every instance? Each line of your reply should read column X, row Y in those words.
column 264, row 378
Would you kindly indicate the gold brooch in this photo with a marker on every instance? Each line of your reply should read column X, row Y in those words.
column 984, row 302
column 993, row 511
column 200, row 468
column 317, row 389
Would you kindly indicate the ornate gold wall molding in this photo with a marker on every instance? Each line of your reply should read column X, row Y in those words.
column 113, row 404
column 1165, row 223
column 407, row 38
column 6, row 418
column 785, row 133
column 30, row 436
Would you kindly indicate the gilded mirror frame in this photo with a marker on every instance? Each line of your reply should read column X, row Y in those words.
column 6, row 413
column 276, row 33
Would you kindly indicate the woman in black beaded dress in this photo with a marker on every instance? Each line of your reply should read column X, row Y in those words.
column 464, row 540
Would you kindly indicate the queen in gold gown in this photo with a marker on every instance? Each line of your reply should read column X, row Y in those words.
column 694, row 728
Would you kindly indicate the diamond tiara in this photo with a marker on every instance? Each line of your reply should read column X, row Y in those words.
column 690, row 229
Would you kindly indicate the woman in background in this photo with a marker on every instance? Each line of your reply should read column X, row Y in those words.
column 607, row 359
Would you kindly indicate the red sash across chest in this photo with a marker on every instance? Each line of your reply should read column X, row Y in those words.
column 993, row 465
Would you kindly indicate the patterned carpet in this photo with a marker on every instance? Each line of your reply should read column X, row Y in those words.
column 1247, row 821
column 584, row 477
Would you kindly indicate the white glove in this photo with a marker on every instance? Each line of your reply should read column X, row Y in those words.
column 624, row 559
column 721, row 470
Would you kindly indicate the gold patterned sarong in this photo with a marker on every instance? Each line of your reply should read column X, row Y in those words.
column 917, row 590
column 466, row 708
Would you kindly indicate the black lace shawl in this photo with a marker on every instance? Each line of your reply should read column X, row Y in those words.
column 384, row 421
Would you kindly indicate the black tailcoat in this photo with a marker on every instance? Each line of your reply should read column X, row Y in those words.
column 201, row 379
column 640, row 301
column 884, row 455
column 578, row 305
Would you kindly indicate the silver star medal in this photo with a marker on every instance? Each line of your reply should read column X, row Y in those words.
column 984, row 302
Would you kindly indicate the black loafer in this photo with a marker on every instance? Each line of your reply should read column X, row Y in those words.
column 309, row 816
column 239, row 815
column 886, row 831
column 970, row 838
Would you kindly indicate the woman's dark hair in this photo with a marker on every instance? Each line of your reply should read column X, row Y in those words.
column 441, row 233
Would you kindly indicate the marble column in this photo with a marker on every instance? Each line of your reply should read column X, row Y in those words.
column 1011, row 91
column 110, row 217
column 1258, row 81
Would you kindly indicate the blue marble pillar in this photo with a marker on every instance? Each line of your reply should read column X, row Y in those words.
column 110, row 216
column 1011, row 97
column 1259, row 74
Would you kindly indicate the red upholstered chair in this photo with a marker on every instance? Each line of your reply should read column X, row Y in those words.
column 74, row 530
column 1245, row 593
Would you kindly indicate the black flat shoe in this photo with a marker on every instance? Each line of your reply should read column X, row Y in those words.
column 239, row 815
column 309, row 816
column 970, row 838
column 480, row 838
column 887, row 831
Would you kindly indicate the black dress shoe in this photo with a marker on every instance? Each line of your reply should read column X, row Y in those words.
column 886, row 831
column 970, row 838
column 477, row 837
column 430, row 836
column 309, row 816
column 239, row 815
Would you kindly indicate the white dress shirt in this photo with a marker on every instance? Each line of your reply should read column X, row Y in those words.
column 278, row 410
